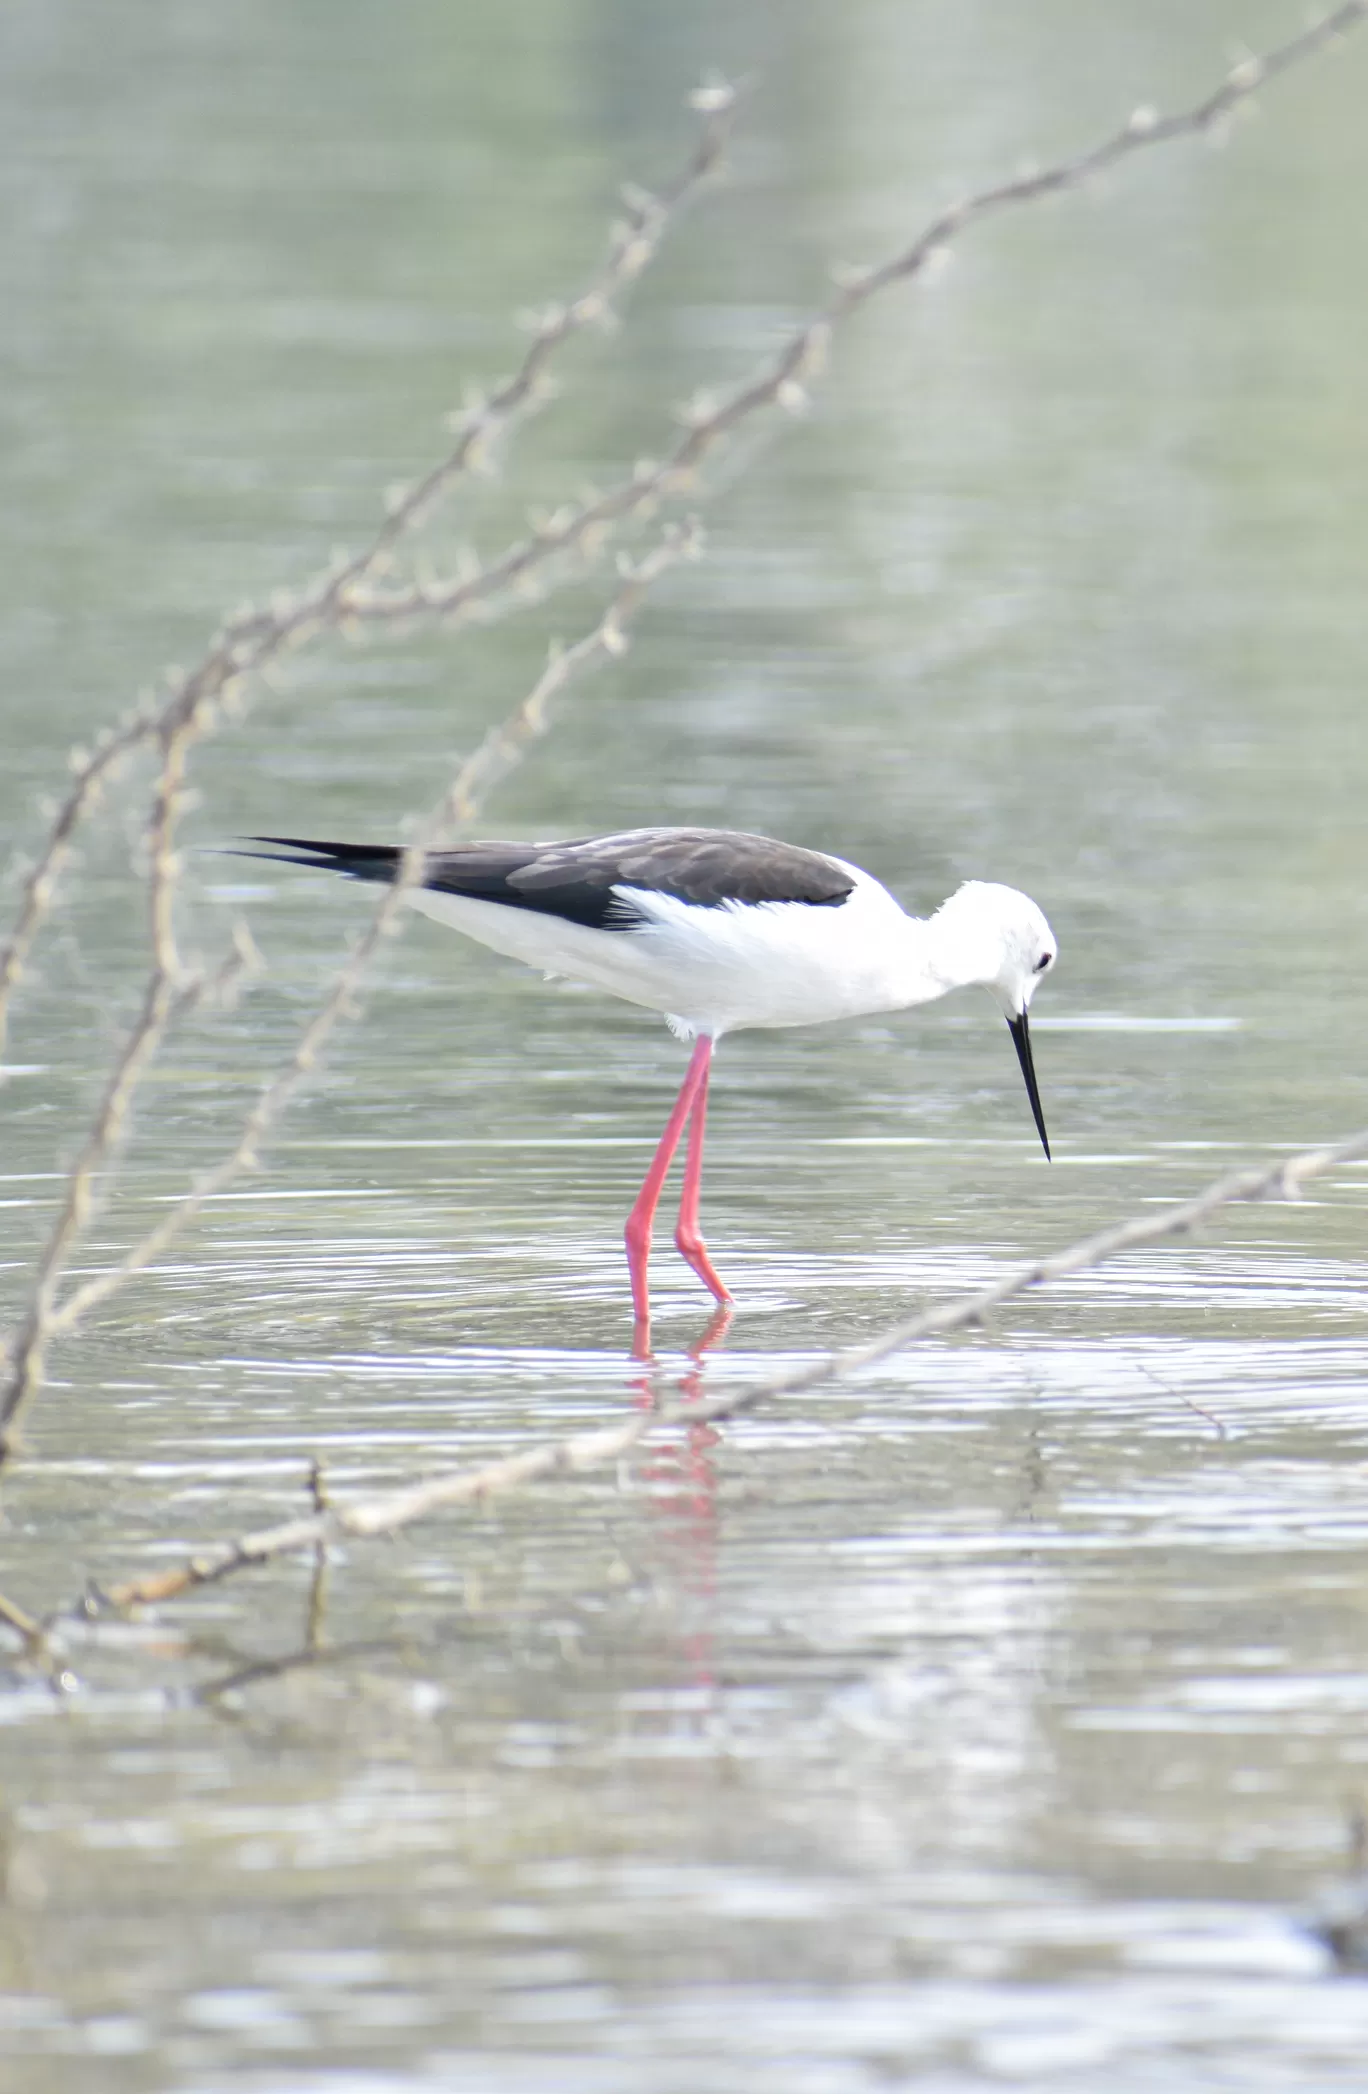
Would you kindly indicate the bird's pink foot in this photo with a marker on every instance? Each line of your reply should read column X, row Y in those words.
column 694, row 1251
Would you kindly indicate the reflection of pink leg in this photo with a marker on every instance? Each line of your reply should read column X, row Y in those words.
column 679, row 1475
column 639, row 1221
column 688, row 1240
column 719, row 1324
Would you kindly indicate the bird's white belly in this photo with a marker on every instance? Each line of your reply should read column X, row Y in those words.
column 716, row 969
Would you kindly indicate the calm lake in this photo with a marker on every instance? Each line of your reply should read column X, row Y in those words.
column 990, row 1720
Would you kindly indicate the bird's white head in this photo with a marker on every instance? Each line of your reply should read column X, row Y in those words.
column 996, row 938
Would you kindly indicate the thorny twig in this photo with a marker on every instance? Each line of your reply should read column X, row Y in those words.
column 782, row 381
column 31, row 1633
column 579, row 1452
column 47, row 1318
column 251, row 640
column 345, row 596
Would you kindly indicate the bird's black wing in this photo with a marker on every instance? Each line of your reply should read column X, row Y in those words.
column 580, row 880
column 707, row 867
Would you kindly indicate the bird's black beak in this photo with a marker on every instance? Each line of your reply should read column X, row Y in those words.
column 1021, row 1040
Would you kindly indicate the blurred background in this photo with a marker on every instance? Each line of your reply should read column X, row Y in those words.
column 982, row 1722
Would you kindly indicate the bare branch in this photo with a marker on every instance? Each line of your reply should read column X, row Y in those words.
column 30, row 1632
column 580, row 1452
column 783, row 380
column 250, row 641
column 46, row 1317
column 348, row 592
column 164, row 994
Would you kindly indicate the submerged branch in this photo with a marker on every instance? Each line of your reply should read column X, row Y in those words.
column 578, row 1453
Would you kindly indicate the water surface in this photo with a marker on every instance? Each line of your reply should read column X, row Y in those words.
column 988, row 1720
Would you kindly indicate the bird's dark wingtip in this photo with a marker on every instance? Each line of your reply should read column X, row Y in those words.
column 306, row 843
column 361, row 861
column 306, row 853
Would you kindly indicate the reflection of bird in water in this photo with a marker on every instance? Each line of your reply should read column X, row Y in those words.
column 681, row 1477
column 718, row 930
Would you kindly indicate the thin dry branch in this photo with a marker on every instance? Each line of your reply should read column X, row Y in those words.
column 344, row 595
column 47, row 1318
column 31, row 1633
column 164, row 993
column 782, row 381
column 249, row 642
column 580, row 1452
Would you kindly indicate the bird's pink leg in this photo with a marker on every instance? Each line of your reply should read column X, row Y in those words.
column 639, row 1221
column 688, row 1240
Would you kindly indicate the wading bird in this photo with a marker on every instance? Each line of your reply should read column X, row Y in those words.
column 716, row 930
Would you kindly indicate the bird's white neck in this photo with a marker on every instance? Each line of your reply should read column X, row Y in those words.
column 978, row 938
column 926, row 957
column 951, row 960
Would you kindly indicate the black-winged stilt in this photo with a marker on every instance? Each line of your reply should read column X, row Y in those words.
column 717, row 930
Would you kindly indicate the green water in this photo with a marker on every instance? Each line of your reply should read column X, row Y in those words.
column 983, row 1722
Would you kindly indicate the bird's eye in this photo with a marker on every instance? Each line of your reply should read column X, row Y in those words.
column 1043, row 962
